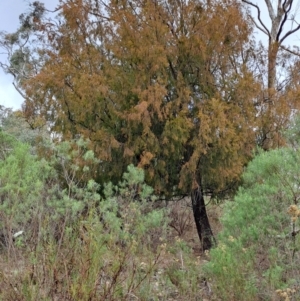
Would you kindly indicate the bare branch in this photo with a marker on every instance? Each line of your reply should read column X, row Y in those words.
column 289, row 33
column 19, row 91
column 287, row 5
column 258, row 17
column 257, row 26
column 281, row 26
column 270, row 9
column 290, row 51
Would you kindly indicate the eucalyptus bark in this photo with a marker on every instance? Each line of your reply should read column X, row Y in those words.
column 272, row 57
column 270, row 113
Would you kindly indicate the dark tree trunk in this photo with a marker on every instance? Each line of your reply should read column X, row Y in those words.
column 201, row 219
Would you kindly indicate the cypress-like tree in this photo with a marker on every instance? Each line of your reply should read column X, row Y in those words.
column 161, row 84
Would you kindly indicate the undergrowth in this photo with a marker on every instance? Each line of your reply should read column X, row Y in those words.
column 64, row 237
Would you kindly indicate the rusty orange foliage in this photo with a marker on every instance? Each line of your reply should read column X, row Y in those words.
column 161, row 84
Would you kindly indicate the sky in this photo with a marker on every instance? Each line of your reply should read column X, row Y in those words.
column 9, row 21
column 10, row 11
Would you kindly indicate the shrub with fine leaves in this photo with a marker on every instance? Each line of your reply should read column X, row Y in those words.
column 258, row 249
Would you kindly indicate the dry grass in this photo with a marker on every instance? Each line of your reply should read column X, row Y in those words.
column 170, row 273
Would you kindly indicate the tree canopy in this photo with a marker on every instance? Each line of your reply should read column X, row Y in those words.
column 165, row 85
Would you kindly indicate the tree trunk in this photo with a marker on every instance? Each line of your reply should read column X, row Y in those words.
column 270, row 113
column 201, row 219
column 272, row 58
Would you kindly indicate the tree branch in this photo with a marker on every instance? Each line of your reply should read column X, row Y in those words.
column 286, row 11
column 258, row 27
column 289, row 33
column 270, row 9
column 258, row 17
column 19, row 90
column 290, row 51
column 287, row 3
column 281, row 26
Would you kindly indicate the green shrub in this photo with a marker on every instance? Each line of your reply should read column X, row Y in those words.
column 80, row 244
column 258, row 251
column 22, row 179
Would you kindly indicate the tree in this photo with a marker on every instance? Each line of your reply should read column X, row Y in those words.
column 161, row 84
column 275, row 104
column 13, row 124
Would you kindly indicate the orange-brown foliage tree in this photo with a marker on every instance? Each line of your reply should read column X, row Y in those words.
column 165, row 85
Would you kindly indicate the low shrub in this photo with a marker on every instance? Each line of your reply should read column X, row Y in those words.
column 258, row 249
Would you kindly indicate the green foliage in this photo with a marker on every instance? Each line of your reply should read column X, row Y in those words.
column 83, row 241
column 257, row 252
column 86, row 247
column 22, row 182
column 72, row 188
column 32, row 188
column 292, row 134
column 134, row 179
column 7, row 144
column 14, row 125
column 132, row 200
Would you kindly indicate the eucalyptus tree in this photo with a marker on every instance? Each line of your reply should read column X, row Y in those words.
column 278, row 21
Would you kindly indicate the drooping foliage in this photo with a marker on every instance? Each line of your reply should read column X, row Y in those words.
column 164, row 85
